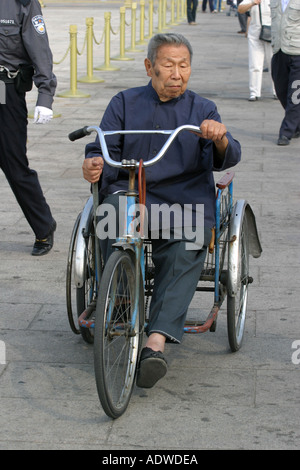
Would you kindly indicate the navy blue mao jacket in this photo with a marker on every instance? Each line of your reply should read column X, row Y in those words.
column 185, row 174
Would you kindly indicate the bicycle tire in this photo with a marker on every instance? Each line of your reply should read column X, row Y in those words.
column 116, row 352
column 70, row 288
column 237, row 304
column 86, row 294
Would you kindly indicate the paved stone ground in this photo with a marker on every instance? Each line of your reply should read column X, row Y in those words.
column 210, row 398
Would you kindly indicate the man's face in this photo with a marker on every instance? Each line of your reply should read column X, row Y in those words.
column 171, row 72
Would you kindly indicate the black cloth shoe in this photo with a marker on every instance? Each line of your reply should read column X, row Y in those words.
column 42, row 247
column 152, row 367
column 283, row 140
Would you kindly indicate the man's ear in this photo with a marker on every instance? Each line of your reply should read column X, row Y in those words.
column 148, row 67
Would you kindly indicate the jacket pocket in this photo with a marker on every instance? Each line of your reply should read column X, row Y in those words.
column 294, row 11
column 10, row 34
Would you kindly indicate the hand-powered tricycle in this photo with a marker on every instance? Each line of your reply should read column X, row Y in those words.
column 107, row 305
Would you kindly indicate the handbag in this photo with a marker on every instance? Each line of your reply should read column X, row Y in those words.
column 265, row 32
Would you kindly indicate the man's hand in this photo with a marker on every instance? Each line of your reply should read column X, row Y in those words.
column 92, row 169
column 215, row 131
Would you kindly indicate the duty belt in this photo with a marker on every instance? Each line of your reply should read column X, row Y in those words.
column 7, row 76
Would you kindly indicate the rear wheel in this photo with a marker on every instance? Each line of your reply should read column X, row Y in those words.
column 86, row 295
column 70, row 285
column 237, row 304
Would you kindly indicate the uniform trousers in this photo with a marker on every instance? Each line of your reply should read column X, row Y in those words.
column 177, row 272
column 23, row 181
column 286, row 77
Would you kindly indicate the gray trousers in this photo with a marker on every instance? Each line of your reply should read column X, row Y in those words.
column 177, row 272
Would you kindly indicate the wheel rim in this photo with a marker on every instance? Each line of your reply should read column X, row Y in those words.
column 242, row 293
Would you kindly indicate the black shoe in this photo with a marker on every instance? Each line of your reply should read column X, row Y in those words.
column 283, row 140
column 152, row 367
column 42, row 247
column 296, row 135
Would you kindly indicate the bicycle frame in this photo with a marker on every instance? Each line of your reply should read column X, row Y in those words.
column 129, row 241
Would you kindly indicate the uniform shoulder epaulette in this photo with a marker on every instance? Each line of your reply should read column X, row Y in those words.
column 25, row 2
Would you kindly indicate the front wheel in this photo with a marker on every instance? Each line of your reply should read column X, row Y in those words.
column 238, row 266
column 118, row 333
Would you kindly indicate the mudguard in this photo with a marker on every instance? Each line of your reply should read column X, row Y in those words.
column 240, row 211
column 80, row 253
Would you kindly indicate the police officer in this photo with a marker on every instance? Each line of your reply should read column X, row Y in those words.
column 25, row 56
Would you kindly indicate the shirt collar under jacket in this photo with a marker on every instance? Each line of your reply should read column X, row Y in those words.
column 284, row 4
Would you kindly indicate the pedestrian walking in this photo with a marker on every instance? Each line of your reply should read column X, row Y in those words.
column 258, row 50
column 286, row 65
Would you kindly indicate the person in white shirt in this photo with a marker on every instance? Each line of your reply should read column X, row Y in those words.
column 258, row 50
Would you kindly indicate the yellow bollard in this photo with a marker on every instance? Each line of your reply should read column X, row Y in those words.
column 133, row 47
column 90, row 77
column 73, row 92
column 142, row 23
column 164, row 14
column 173, row 22
column 107, row 66
column 183, row 8
column 122, row 37
column 159, row 27
column 178, row 10
column 150, row 16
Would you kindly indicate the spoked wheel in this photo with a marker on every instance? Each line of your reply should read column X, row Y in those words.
column 70, row 285
column 118, row 336
column 86, row 295
column 237, row 304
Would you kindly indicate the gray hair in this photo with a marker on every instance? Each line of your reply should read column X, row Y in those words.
column 168, row 38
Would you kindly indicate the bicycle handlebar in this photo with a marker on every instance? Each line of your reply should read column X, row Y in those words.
column 87, row 130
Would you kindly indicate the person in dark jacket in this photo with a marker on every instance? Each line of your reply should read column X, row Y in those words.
column 25, row 57
column 285, row 66
column 184, row 176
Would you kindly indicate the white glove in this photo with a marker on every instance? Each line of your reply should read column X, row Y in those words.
column 42, row 115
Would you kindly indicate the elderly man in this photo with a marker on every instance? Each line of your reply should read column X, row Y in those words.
column 183, row 176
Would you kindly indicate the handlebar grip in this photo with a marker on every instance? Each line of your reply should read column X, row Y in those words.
column 75, row 135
